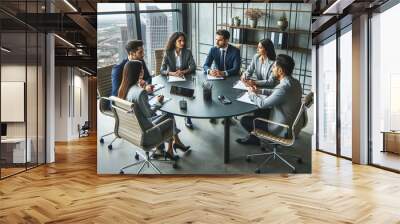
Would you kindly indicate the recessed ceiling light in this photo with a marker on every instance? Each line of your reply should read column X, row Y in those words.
column 64, row 40
column 70, row 5
column 84, row 71
column 332, row 8
column 5, row 50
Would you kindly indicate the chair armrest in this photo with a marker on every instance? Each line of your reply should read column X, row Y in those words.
column 104, row 98
column 102, row 104
column 268, row 121
column 160, row 124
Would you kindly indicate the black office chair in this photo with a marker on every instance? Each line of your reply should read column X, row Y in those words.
column 84, row 129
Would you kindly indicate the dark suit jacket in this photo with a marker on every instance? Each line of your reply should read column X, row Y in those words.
column 169, row 62
column 116, row 76
column 232, row 60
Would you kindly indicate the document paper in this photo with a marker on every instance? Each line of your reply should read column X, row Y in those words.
column 176, row 79
column 210, row 77
column 153, row 100
column 240, row 85
column 245, row 99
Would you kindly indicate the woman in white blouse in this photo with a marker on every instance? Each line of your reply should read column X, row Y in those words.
column 178, row 61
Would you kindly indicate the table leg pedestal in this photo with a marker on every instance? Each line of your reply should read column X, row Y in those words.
column 226, row 139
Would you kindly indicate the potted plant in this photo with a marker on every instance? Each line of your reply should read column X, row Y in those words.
column 236, row 21
column 254, row 14
column 282, row 22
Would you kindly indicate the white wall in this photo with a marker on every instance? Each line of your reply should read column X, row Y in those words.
column 70, row 83
column 61, row 103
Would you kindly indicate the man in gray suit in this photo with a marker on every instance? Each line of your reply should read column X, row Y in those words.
column 283, row 101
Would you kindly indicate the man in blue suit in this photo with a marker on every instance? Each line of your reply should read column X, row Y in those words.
column 225, row 56
column 135, row 51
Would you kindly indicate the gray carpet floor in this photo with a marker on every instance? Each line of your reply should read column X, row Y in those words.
column 206, row 157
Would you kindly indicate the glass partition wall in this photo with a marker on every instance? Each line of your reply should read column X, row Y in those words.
column 22, row 77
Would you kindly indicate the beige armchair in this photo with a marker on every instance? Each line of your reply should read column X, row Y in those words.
column 104, row 87
column 128, row 126
column 276, row 141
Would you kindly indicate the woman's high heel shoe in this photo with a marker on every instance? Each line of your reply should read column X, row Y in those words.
column 171, row 157
column 181, row 147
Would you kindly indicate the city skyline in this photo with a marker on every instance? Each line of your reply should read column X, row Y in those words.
column 114, row 34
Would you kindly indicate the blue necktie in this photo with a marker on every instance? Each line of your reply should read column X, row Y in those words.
column 222, row 65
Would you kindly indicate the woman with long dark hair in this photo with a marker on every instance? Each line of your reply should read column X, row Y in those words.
column 178, row 61
column 131, row 90
column 259, row 73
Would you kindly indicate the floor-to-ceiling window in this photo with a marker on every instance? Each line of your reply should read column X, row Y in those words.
column 334, row 94
column 119, row 22
column 345, row 62
column 326, row 98
column 22, row 77
column 385, row 89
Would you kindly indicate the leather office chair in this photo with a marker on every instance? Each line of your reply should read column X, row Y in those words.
column 158, row 56
column 276, row 141
column 83, row 131
column 128, row 127
column 104, row 87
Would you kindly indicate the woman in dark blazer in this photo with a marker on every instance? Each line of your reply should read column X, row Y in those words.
column 178, row 61
column 131, row 90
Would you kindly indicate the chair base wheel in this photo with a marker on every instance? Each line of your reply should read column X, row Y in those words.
column 248, row 159
column 294, row 171
column 109, row 147
column 299, row 160
column 101, row 140
column 263, row 149
column 121, row 172
column 175, row 166
column 257, row 171
column 137, row 156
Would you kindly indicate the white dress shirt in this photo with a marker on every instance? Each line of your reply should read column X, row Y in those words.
column 178, row 60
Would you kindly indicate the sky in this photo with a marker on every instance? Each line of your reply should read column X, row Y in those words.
column 112, row 7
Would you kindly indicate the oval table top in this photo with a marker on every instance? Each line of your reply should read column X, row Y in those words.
column 197, row 107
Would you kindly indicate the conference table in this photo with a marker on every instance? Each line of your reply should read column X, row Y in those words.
column 199, row 108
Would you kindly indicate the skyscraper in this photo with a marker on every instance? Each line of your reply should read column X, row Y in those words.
column 156, row 33
column 124, row 39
